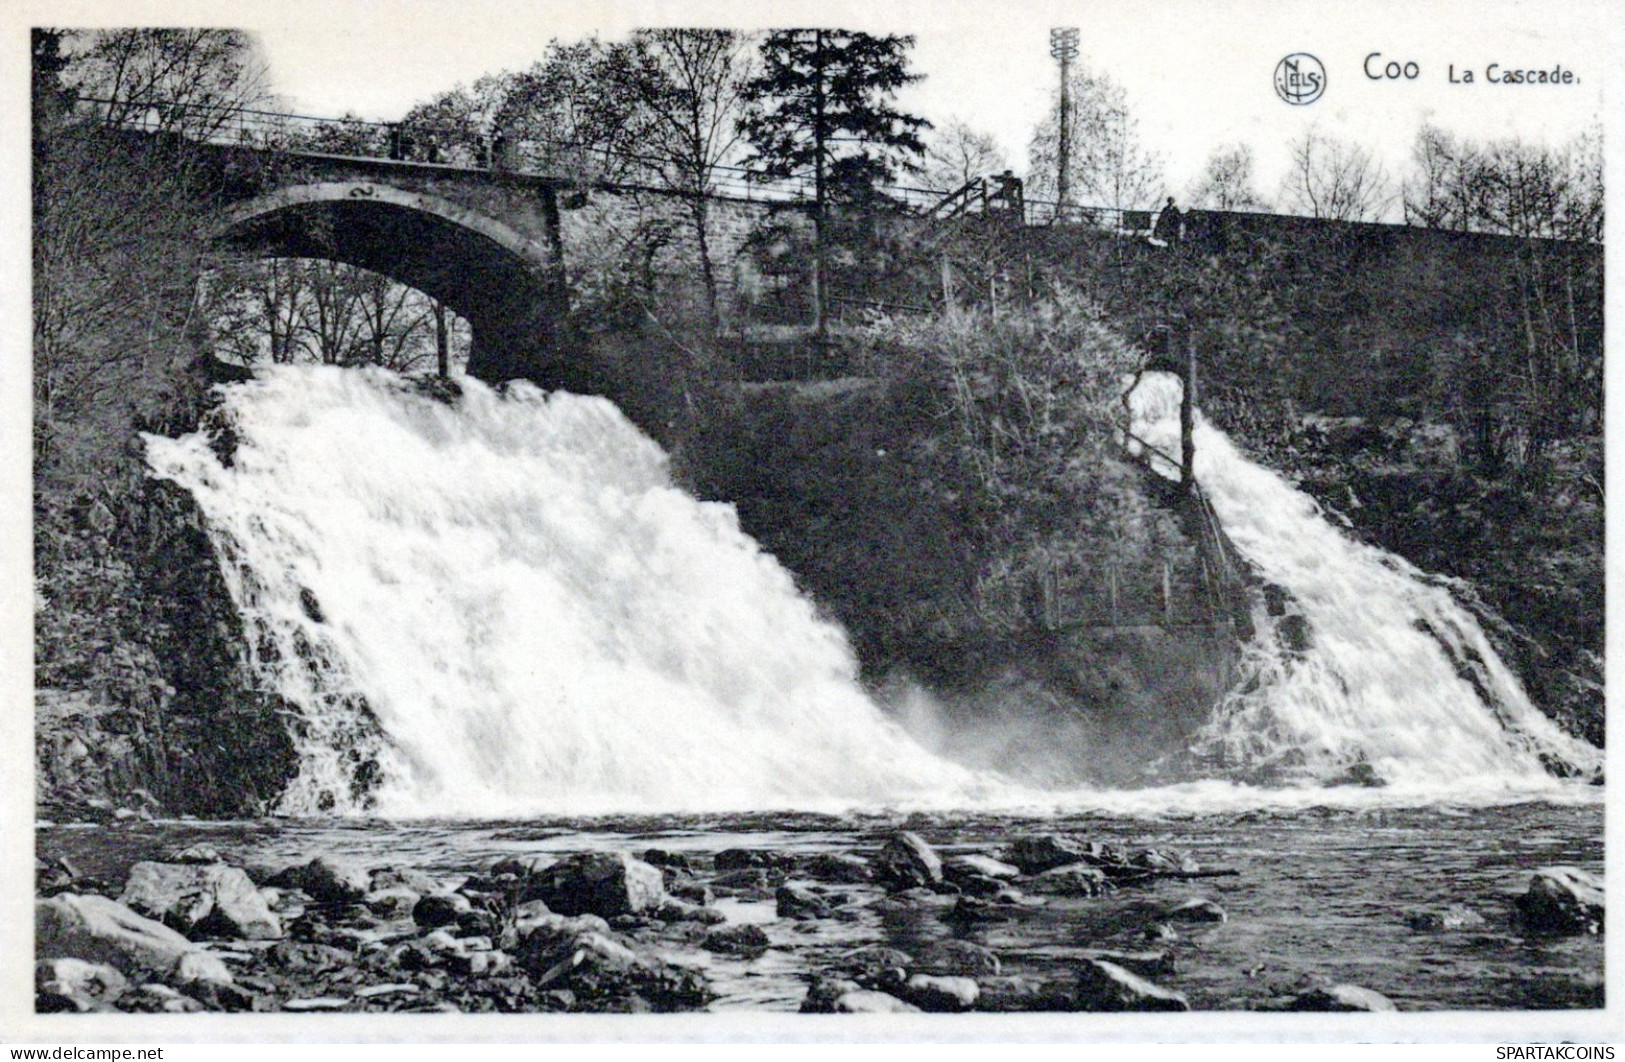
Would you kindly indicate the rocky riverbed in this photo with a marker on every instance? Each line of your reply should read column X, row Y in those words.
column 826, row 916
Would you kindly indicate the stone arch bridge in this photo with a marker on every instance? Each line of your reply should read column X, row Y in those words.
column 514, row 252
column 505, row 250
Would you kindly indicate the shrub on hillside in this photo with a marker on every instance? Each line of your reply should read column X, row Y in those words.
column 1019, row 444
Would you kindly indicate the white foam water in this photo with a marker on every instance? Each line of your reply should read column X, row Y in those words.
column 507, row 608
column 502, row 607
column 1397, row 682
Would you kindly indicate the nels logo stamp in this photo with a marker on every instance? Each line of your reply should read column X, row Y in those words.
column 1300, row 79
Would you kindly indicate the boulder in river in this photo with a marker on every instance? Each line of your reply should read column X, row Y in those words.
column 957, row 958
column 97, row 929
column 978, row 886
column 201, row 899
column 58, row 875
column 837, row 867
column 76, row 985
column 601, row 967
column 1341, row 997
column 1144, row 963
column 745, row 940
column 1454, row 916
column 1023, row 992
column 1045, row 851
column 753, row 882
column 517, row 868
column 153, row 998
column 286, row 904
column 906, row 862
column 601, row 883
column 199, row 854
column 867, row 963
column 1563, row 900
column 307, row 957
column 396, row 901
column 1104, row 985
column 401, row 877
column 865, row 1001
column 833, row 995
column 1074, row 879
column 960, row 868
column 1040, row 852
column 440, row 909
column 940, row 995
column 686, row 887
column 1163, row 859
column 1198, row 909
column 660, row 857
column 328, row 879
column 748, row 858
column 969, row 910
column 795, row 899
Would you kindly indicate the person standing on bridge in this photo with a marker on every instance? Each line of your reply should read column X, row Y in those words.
column 1009, row 194
column 1169, row 224
column 499, row 148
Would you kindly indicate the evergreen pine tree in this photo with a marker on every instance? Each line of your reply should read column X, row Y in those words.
column 821, row 110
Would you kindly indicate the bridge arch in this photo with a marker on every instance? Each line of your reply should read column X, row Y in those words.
column 506, row 285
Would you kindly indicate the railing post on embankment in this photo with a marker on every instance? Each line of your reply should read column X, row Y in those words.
column 1187, row 414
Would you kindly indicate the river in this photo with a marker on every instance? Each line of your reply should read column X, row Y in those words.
column 1322, row 893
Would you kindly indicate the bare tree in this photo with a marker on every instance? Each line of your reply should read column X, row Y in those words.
column 457, row 120
column 1507, row 186
column 396, row 324
column 251, row 307
column 1541, row 377
column 302, row 310
column 348, row 135
column 1334, row 179
column 1227, row 181
column 115, row 252
column 567, row 114
column 956, row 154
column 191, row 81
column 690, row 85
column 1109, row 165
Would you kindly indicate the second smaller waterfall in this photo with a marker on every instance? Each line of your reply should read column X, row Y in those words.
column 1384, row 676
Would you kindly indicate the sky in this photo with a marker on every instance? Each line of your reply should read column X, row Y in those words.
column 1198, row 75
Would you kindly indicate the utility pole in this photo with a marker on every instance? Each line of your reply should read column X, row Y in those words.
column 820, row 135
column 1063, row 46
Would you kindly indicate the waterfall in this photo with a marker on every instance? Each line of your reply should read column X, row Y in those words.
column 1368, row 669
column 503, row 606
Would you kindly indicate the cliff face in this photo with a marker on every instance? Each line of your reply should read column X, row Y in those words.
column 1061, row 675
column 142, row 695
column 90, row 754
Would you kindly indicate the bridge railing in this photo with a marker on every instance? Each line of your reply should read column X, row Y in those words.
column 423, row 143
column 243, row 126
column 419, row 143
column 1120, row 220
